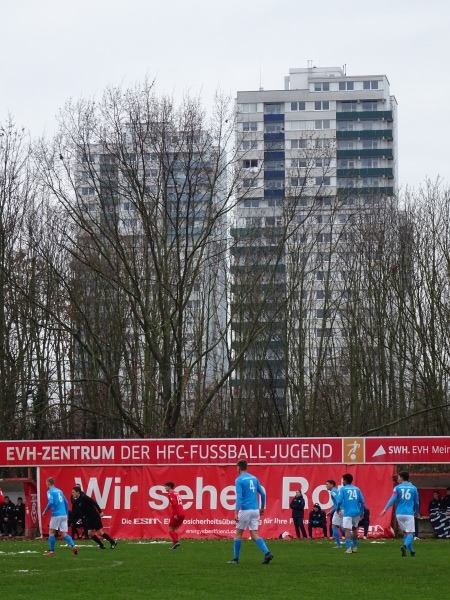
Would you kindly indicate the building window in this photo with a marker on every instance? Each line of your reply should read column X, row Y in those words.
column 369, row 125
column 299, row 181
column 346, row 85
column 323, row 162
column 369, row 163
column 296, row 125
column 273, row 145
column 370, row 105
column 345, row 125
column 299, row 163
column 322, row 124
column 274, row 165
column 249, row 182
column 320, row 294
column 370, row 144
column 273, row 127
column 250, row 126
column 251, row 163
column 325, row 105
column 345, row 145
column 349, row 106
column 251, row 203
column 274, row 184
column 274, row 108
column 323, row 180
column 322, row 87
column 322, row 143
column 346, row 163
column 370, row 85
column 298, row 106
column 320, row 313
column 249, row 145
column 370, row 182
column 274, row 202
column 296, row 144
column 253, row 222
column 249, row 107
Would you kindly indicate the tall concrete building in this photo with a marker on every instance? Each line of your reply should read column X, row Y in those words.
column 318, row 158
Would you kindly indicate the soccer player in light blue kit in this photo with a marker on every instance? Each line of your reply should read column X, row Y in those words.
column 247, row 512
column 336, row 519
column 350, row 505
column 59, row 506
column 406, row 498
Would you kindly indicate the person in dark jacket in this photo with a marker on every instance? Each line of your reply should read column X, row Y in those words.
column 365, row 522
column 317, row 518
column 298, row 513
column 86, row 508
column 436, row 503
column 19, row 517
column 7, row 517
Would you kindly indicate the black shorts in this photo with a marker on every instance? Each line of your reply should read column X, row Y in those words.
column 94, row 522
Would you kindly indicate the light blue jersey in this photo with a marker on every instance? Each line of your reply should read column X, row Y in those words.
column 406, row 498
column 350, row 501
column 57, row 503
column 247, row 490
column 334, row 494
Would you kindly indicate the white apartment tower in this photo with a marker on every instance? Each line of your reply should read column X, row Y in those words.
column 318, row 158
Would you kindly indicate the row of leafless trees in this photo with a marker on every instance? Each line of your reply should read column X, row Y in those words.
column 128, row 309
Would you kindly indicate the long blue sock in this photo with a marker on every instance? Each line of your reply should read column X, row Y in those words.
column 51, row 542
column 262, row 545
column 237, row 548
column 408, row 541
column 348, row 542
column 337, row 535
column 69, row 540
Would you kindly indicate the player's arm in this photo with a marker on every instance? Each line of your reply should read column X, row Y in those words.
column 238, row 499
column 262, row 494
column 391, row 501
column 49, row 504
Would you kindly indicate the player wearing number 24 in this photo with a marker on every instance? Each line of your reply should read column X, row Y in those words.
column 406, row 499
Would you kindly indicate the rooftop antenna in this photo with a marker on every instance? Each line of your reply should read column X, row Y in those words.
column 260, row 77
column 344, row 68
column 310, row 64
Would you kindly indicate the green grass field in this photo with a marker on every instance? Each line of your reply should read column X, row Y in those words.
column 198, row 570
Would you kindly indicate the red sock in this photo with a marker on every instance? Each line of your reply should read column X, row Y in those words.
column 174, row 535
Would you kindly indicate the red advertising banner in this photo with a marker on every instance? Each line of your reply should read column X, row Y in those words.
column 408, row 450
column 171, row 451
column 263, row 451
column 135, row 504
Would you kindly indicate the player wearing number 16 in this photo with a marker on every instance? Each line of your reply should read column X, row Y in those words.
column 248, row 512
column 406, row 498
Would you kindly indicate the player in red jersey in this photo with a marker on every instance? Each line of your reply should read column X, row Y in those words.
column 177, row 517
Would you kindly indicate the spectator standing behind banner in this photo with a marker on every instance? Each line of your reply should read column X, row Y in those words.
column 7, row 517
column 365, row 522
column 19, row 517
column 298, row 513
column 436, row 503
column 445, row 502
column 317, row 518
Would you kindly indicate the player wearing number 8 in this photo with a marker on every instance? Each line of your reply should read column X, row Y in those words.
column 406, row 498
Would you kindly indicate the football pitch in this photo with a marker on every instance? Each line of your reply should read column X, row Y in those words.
column 199, row 570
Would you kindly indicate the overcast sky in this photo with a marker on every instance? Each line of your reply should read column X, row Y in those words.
column 53, row 50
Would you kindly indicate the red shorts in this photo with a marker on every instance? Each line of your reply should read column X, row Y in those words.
column 176, row 522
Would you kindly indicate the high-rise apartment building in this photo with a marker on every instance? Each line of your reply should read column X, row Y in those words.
column 319, row 161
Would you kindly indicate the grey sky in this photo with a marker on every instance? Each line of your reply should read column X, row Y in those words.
column 53, row 50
